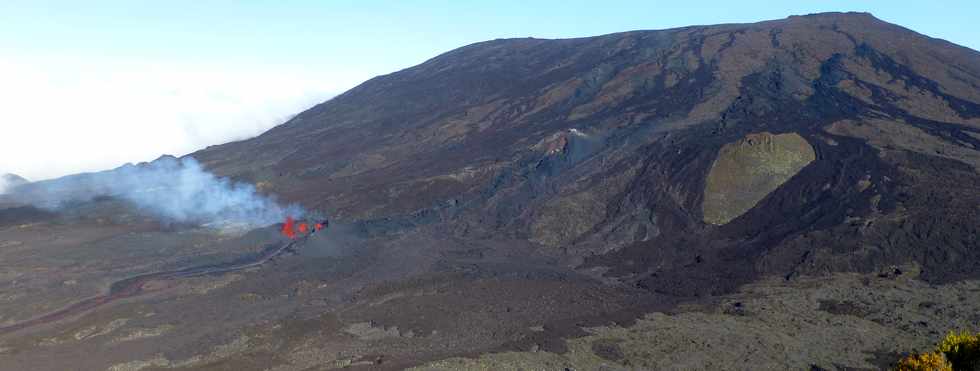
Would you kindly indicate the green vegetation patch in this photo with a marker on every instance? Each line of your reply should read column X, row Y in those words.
column 749, row 169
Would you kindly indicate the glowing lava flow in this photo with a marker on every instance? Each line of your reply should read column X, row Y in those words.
column 292, row 229
column 289, row 228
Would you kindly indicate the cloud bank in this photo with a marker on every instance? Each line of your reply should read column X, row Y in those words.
column 63, row 116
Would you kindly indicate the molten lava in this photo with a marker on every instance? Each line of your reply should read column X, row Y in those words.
column 292, row 229
column 288, row 228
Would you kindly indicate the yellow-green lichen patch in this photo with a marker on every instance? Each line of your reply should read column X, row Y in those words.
column 749, row 169
column 773, row 324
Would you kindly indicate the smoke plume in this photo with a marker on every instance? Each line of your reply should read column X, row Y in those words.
column 9, row 181
column 175, row 190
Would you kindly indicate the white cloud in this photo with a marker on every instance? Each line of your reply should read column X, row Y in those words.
column 64, row 115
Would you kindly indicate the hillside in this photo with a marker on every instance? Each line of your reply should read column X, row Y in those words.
column 700, row 157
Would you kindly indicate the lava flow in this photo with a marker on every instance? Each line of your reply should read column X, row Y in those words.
column 288, row 228
column 292, row 229
column 136, row 285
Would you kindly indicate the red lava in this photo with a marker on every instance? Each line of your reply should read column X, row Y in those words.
column 288, row 228
column 292, row 229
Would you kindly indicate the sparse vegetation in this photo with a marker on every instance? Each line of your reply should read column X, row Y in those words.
column 956, row 352
column 932, row 361
column 962, row 350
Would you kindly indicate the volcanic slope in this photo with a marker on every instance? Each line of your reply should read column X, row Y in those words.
column 684, row 161
column 802, row 190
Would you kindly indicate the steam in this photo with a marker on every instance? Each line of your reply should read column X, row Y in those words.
column 9, row 181
column 175, row 190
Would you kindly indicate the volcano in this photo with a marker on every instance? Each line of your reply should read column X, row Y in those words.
column 797, row 142
column 791, row 194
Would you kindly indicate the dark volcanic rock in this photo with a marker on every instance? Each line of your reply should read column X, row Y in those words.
column 599, row 150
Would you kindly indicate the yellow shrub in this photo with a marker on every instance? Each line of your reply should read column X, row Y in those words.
column 924, row 362
column 962, row 350
column 956, row 352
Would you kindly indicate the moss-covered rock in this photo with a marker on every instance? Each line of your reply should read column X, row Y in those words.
column 749, row 169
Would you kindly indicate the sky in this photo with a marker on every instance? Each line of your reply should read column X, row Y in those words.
column 91, row 85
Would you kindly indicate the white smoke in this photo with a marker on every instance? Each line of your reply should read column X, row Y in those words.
column 9, row 181
column 175, row 190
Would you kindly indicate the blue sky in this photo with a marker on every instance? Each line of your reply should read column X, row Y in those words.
column 152, row 77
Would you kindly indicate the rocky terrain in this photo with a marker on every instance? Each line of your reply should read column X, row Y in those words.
column 791, row 194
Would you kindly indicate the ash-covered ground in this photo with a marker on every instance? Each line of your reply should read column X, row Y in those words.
column 348, row 298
